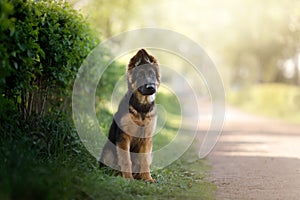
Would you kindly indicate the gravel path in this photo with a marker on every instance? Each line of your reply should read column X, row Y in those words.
column 256, row 158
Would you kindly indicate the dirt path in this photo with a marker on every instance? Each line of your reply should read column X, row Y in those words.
column 256, row 158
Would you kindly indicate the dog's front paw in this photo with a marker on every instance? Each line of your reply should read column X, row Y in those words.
column 127, row 175
column 150, row 180
column 147, row 177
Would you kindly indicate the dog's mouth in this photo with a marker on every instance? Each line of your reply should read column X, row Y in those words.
column 147, row 89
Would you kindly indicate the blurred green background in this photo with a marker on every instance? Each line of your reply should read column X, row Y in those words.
column 255, row 44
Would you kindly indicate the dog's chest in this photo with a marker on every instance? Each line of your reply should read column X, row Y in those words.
column 138, row 125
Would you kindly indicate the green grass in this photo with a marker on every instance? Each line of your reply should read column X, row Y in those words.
column 274, row 100
column 177, row 181
column 28, row 172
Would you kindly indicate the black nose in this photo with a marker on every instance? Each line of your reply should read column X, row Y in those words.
column 151, row 88
column 147, row 89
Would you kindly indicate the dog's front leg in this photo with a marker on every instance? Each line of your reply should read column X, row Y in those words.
column 123, row 152
column 145, row 161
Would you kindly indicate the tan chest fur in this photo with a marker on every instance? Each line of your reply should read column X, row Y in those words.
column 137, row 125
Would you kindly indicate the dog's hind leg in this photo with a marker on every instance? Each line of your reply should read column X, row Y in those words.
column 108, row 156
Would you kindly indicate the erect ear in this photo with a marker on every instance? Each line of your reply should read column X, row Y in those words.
column 141, row 58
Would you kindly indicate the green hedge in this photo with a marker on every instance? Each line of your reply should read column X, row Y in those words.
column 42, row 46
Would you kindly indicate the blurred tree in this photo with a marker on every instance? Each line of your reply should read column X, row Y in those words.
column 258, row 39
column 108, row 16
column 251, row 38
column 293, row 40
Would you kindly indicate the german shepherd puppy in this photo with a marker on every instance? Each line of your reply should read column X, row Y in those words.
column 129, row 144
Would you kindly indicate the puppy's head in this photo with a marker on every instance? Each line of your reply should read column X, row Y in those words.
column 143, row 74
